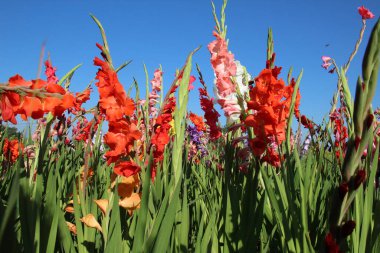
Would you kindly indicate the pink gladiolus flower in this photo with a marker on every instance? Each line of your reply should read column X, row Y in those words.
column 326, row 58
column 365, row 13
column 191, row 81
column 50, row 72
column 326, row 62
column 156, row 87
column 224, row 67
column 157, row 80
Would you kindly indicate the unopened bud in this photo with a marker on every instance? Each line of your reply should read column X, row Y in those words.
column 357, row 142
column 343, row 189
column 54, row 148
column 359, row 178
column 370, row 119
column 348, row 227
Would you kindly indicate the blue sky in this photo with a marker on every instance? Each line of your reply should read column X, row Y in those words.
column 164, row 32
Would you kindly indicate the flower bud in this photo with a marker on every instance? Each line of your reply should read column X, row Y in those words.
column 343, row 189
column 54, row 148
column 359, row 178
column 330, row 243
column 347, row 228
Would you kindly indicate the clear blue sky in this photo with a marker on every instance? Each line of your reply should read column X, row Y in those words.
column 164, row 32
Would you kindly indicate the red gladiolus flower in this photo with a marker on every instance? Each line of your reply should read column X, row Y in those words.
column 126, row 168
column 9, row 101
column 49, row 97
column 117, row 108
column 360, row 177
column 160, row 136
column 113, row 102
column 343, row 189
column 197, row 121
column 365, row 13
column 331, row 245
column 11, row 149
column 50, row 72
column 211, row 115
column 340, row 132
column 81, row 97
column 270, row 101
column 348, row 227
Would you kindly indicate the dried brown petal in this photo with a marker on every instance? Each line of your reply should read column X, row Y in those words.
column 90, row 221
column 102, row 204
column 72, row 227
column 130, row 202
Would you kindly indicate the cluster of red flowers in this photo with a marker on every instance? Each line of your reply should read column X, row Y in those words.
column 270, row 101
column 80, row 98
column 117, row 108
column 84, row 129
column 160, row 136
column 162, row 124
column 11, row 149
column 50, row 73
column 340, row 132
column 33, row 99
column 365, row 13
column 36, row 97
column 197, row 121
column 211, row 115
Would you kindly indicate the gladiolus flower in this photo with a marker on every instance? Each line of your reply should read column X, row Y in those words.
column 348, row 227
column 360, row 177
column 102, row 204
column 50, row 98
column 127, row 185
column 270, row 102
column 50, row 72
column 365, row 13
column 126, row 168
column 117, row 108
column 331, row 245
column 343, row 189
column 131, row 202
column 153, row 96
column 72, row 227
column 197, row 121
column 90, row 221
column 326, row 62
column 225, row 67
column 211, row 115
column 11, row 149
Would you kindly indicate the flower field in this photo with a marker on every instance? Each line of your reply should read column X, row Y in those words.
column 144, row 173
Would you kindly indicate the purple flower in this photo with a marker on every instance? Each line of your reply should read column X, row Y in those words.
column 197, row 138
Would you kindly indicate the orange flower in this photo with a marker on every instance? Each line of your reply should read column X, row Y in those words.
column 102, row 204
column 117, row 108
column 130, row 202
column 197, row 121
column 37, row 98
column 90, row 221
column 127, row 185
column 8, row 101
column 11, row 149
column 120, row 138
column 81, row 97
column 114, row 102
column 126, row 168
column 270, row 101
column 72, row 227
